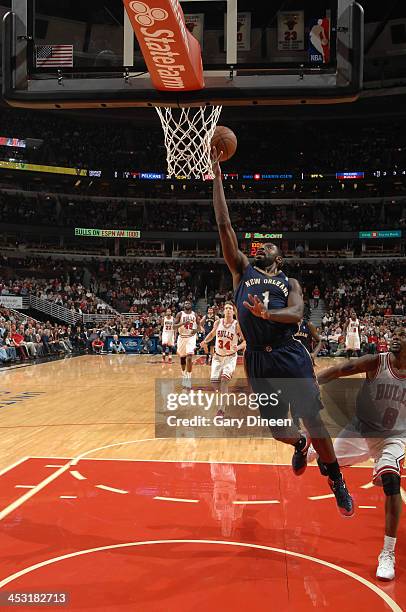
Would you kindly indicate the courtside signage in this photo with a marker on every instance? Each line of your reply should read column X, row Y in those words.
column 172, row 55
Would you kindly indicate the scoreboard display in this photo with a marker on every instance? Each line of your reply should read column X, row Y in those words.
column 258, row 239
column 254, row 246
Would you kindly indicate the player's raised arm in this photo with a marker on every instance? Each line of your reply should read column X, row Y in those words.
column 235, row 259
column 366, row 364
column 293, row 313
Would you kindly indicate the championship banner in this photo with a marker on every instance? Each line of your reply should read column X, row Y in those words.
column 11, row 301
column 319, row 40
column 290, row 30
column 195, row 25
column 243, row 32
column 172, row 55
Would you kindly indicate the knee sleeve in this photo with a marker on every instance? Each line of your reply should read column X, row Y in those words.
column 391, row 483
column 183, row 361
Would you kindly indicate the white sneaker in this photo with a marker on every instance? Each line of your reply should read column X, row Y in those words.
column 386, row 565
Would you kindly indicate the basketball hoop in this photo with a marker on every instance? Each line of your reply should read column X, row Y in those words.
column 188, row 133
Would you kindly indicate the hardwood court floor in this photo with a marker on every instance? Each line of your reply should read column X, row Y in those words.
column 69, row 407
column 92, row 504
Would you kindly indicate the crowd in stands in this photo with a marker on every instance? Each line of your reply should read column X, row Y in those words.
column 71, row 142
column 375, row 333
column 312, row 146
column 126, row 287
column 24, row 339
column 103, row 286
column 248, row 215
column 370, row 289
column 376, row 292
column 56, row 281
column 131, row 288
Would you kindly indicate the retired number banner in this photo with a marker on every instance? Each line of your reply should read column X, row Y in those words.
column 290, row 31
column 243, row 32
column 195, row 25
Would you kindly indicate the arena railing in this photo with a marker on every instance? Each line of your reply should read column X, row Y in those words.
column 21, row 316
column 54, row 310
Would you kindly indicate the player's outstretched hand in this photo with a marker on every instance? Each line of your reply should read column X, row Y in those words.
column 215, row 160
column 256, row 306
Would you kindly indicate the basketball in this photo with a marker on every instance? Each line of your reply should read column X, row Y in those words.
column 225, row 141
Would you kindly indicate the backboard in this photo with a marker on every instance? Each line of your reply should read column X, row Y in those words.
column 76, row 54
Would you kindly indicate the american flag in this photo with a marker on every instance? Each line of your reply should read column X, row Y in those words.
column 47, row 56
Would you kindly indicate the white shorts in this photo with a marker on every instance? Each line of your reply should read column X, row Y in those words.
column 223, row 367
column 168, row 339
column 186, row 345
column 388, row 453
column 352, row 342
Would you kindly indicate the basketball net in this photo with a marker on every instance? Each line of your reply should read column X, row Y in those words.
column 188, row 133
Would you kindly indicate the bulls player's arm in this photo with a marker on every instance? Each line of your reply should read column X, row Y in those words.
column 197, row 329
column 211, row 334
column 242, row 345
column 293, row 313
column 177, row 323
column 316, row 337
column 236, row 261
column 367, row 364
column 202, row 322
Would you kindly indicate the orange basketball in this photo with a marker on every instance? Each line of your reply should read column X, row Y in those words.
column 225, row 141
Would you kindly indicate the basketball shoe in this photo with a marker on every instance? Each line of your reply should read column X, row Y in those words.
column 299, row 459
column 343, row 498
column 386, row 565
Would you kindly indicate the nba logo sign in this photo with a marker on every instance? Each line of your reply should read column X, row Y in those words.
column 319, row 40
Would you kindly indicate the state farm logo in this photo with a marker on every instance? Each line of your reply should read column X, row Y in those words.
column 147, row 16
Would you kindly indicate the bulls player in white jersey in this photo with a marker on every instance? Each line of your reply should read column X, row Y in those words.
column 378, row 431
column 187, row 323
column 352, row 338
column 227, row 332
column 168, row 335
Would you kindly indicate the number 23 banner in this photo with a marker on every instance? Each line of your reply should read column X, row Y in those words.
column 290, row 31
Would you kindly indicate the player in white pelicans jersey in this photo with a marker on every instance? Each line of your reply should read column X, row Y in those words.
column 187, row 323
column 352, row 337
column 227, row 332
column 378, row 431
column 168, row 335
